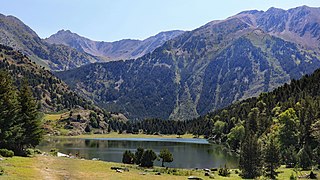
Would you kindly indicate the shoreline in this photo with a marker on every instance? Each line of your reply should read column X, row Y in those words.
column 125, row 135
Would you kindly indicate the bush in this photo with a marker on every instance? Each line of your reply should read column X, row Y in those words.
column 312, row 175
column 54, row 152
column 224, row 171
column 37, row 151
column 128, row 157
column 1, row 171
column 6, row 153
column 292, row 177
column 29, row 152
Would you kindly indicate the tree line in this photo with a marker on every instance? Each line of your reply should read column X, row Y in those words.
column 279, row 127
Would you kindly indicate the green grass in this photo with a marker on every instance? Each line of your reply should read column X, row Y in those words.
column 49, row 167
column 55, row 116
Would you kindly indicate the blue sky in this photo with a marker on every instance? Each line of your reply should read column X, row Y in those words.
column 111, row 20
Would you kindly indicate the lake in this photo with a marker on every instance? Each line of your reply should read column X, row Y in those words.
column 187, row 153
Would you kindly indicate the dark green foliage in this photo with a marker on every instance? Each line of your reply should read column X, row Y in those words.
column 272, row 158
column 10, row 126
column 290, row 157
column 138, row 155
column 29, row 152
column 29, row 117
column 224, row 171
column 6, row 153
column 20, row 126
column 50, row 92
column 305, row 157
column 293, row 177
column 166, row 156
column 312, row 175
column 250, row 156
column 235, row 136
column 288, row 133
column 147, row 158
column 128, row 157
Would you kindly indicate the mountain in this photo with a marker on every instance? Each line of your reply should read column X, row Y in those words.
column 16, row 34
column 300, row 25
column 51, row 93
column 74, row 114
column 207, row 68
column 119, row 50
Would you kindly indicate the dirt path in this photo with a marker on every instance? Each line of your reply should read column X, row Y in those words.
column 49, row 168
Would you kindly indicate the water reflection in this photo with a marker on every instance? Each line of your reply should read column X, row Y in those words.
column 186, row 155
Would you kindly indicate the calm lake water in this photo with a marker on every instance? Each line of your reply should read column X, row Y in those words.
column 187, row 153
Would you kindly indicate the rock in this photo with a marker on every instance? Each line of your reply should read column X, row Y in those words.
column 61, row 155
column 143, row 173
column 158, row 173
column 95, row 159
column 119, row 171
column 206, row 174
column 207, row 170
column 194, row 178
column 1, row 159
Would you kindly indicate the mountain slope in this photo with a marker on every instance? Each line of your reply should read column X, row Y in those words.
column 299, row 25
column 119, row 50
column 51, row 93
column 16, row 34
column 197, row 72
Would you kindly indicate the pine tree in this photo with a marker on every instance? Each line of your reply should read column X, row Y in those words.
column 10, row 128
column 29, row 117
column 138, row 155
column 272, row 158
column 250, row 155
column 128, row 157
column 305, row 158
column 147, row 158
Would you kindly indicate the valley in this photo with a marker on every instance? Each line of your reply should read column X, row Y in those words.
column 236, row 98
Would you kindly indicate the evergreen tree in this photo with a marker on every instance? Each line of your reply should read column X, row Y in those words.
column 128, row 157
column 250, row 155
column 10, row 127
column 28, row 115
column 166, row 156
column 305, row 158
column 147, row 158
column 272, row 158
column 138, row 155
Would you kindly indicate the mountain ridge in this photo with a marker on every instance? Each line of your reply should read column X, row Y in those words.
column 118, row 50
column 199, row 71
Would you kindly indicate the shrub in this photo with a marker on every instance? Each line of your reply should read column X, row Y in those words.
column 1, row 171
column 54, row 152
column 224, row 171
column 313, row 175
column 6, row 153
column 292, row 177
column 29, row 152
column 37, row 151
column 128, row 157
